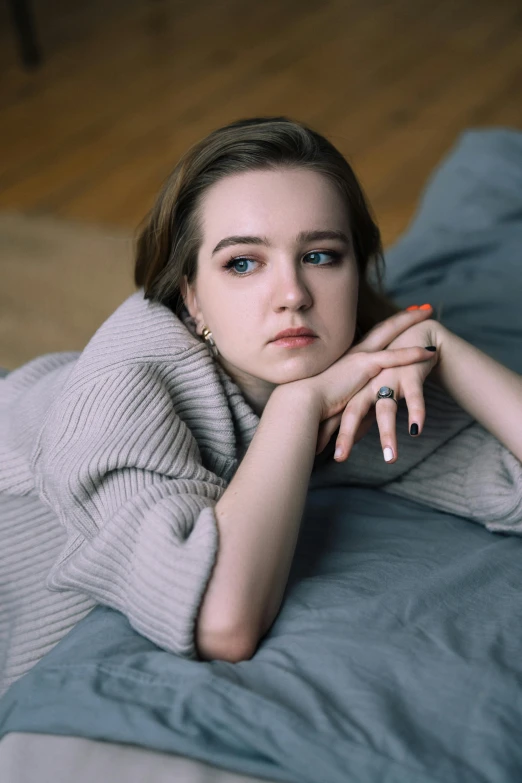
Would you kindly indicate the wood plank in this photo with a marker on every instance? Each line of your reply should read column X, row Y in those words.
column 128, row 85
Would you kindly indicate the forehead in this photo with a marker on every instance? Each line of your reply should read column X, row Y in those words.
column 275, row 202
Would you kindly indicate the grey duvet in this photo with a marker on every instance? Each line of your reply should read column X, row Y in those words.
column 396, row 655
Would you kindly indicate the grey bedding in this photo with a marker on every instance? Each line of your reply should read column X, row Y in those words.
column 52, row 758
column 396, row 655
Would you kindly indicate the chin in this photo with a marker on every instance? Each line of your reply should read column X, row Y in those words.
column 300, row 374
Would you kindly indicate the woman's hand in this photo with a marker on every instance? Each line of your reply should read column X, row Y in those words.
column 333, row 388
column 406, row 381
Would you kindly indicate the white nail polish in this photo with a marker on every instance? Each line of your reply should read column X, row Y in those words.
column 388, row 454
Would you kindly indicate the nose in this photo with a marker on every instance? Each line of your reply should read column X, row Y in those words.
column 290, row 288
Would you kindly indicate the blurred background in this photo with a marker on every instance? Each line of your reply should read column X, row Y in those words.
column 100, row 99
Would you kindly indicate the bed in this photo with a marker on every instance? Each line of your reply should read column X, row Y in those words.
column 396, row 655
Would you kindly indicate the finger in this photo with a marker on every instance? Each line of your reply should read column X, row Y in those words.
column 383, row 333
column 386, row 412
column 326, row 430
column 353, row 416
column 365, row 425
column 416, row 409
column 373, row 363
column 365, row 366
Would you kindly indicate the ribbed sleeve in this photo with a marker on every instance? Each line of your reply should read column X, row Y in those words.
column 24, row 400
column 32, row 619
column 124, row 475
column 473, row 475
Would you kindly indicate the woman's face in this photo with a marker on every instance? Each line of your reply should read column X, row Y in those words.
column 281, row 276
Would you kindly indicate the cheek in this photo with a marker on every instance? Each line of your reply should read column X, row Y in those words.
column 236, row 326
column 341, row 306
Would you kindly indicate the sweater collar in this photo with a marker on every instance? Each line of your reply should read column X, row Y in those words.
column 244, row 417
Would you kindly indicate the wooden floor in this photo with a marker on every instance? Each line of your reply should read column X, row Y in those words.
column 127, row 85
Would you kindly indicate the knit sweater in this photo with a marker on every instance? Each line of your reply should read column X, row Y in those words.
column 112, row 460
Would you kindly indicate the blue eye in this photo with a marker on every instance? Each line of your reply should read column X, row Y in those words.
column 319, row 253
column 333, row 255
column 235, row 261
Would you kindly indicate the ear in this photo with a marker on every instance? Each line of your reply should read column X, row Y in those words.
column 187, row 295
column 190, row 301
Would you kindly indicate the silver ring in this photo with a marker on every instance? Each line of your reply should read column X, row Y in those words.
column 385, row 393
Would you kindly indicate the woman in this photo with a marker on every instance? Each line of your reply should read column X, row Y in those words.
column 163, row 471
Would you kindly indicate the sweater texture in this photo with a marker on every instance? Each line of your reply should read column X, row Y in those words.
column 112, row 460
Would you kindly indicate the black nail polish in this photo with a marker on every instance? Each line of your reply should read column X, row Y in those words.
column 431, row 347
column 414, row 429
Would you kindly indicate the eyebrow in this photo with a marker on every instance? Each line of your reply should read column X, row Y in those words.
column 304, row 236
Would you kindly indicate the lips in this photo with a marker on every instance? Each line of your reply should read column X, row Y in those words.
column 301, row 332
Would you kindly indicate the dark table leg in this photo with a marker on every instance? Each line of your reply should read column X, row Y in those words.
column 23, row 20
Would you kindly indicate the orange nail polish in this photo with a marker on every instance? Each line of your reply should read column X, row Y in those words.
column 413, row 307
column 425, row 307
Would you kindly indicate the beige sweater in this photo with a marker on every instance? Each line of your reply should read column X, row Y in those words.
column 112, row 460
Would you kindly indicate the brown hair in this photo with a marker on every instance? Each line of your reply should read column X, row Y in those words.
column 170, row 235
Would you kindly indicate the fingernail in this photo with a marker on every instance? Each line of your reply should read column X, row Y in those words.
column 338, row 452
column 414, row 429
column 430, row 347
column 425, row 307
column 413, row 307
column 388, row 453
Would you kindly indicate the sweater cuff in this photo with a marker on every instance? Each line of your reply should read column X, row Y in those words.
column 159, row 591
column 493, row 487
